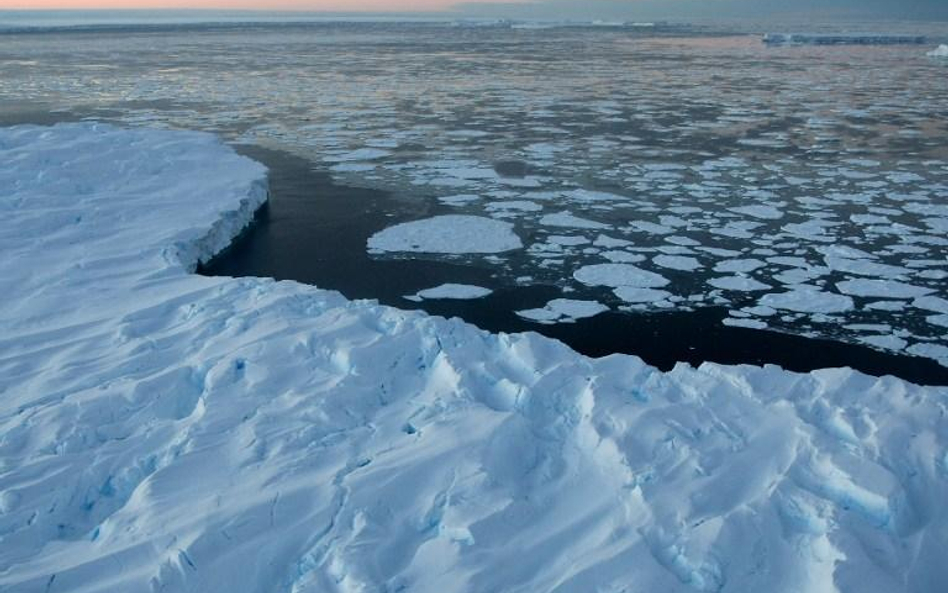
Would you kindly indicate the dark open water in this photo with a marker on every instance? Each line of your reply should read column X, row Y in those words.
column 315, row 231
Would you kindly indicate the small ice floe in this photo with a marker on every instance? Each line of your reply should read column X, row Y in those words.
column 682, row 263
column 507, row 206
column 939, row 52
column 449, row 234
column 566, row 219
column 931, row 303
column 459, row 199
column 884, row 342
column 616, row 275
column 451, row 291
column 808, row 299
column 563, row 311
column 738, row 283
column 864, row 287
column 631, row 294
column 747, row 323
column 738, row 265
column 759, row 211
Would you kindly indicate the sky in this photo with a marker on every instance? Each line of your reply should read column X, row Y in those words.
column 573, row 9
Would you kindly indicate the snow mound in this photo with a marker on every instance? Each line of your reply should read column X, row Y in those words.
column 449, row 234
column 166, row 431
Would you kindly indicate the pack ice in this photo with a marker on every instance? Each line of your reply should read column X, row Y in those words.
column 162, row 431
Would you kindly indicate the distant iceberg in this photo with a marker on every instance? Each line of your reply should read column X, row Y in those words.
column 939, row 52
column 841, row 39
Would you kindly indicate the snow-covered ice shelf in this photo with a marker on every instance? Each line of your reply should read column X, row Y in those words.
column 165, row 431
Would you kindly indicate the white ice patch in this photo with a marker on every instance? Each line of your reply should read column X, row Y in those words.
column 513, row 205
column 738, row 283
column 563, row 311
column 759, row 211
column 616, row 275
column 864, row 287
column 748, row 323
column 931, row 303
column 677, row 262
column 565, row 219
column 739, row 265
column 805, row 299
column 452, row 291
column 449, row 234
column 631, row 294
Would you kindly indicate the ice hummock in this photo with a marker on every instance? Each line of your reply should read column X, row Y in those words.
column 166, row 431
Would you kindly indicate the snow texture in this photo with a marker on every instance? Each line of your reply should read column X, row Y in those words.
column 563, row 311
column 162, row 431
column 452, row 291
column 449, row 234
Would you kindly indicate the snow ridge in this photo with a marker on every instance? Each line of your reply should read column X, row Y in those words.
column 161, row 431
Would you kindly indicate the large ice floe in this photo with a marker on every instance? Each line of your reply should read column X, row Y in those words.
column 163, row 431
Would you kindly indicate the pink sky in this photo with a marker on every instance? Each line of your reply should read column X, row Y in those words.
column 317, row 5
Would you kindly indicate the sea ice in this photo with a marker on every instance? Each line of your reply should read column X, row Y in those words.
column 738, row 283
column 677, row 262
column 748, row 323
column 759, row 211
column 805, row 299
column 450, row 234
column 563, row 310
column 616, row 275
column 631, row 294
column 739, row 265
column 864, row 287
column 452, row 291
column 565, row 219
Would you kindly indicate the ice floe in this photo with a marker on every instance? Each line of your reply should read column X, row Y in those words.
column 805, row 299
column 563, row 310
column 616, row 275
column 450, row 234
column 451, row 291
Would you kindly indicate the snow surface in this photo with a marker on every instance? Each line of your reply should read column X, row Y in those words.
column 563, row 311
column 452, row 291
column 450, row 234
column 166, row 431
column 616, row 275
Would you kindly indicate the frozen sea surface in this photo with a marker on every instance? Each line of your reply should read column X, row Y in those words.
column 222, row 434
